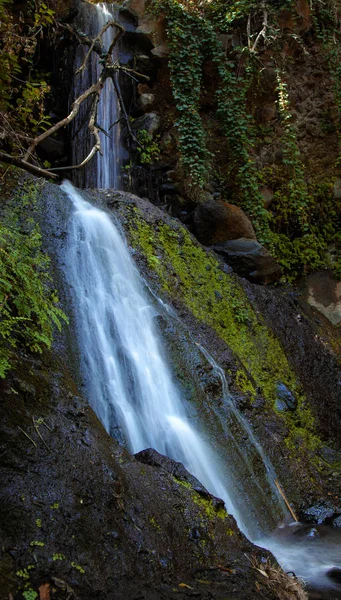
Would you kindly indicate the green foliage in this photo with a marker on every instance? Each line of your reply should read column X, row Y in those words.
column 193, row 39
column 78, row 567
column 31, row 106
column 297, row 198
column 44, row 15
column 28, row 306
column 149, row 149
column 23, row 90
column 37, row 543
column 295, row 230
column 30, row 594
column 185, row 38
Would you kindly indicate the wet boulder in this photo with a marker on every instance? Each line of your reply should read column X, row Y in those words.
column 323, row 512
column 177, row 470
column 285, row 399
column 216, row 221
column 249, row 259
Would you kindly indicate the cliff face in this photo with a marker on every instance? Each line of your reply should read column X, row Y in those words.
column 248, row 101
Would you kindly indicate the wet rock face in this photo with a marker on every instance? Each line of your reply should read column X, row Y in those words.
column 216, row 221
column 78, row 513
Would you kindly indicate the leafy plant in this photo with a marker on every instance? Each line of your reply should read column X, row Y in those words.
column 149, row 149
column 28, row 305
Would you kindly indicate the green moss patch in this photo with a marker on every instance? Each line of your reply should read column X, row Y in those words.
column 188, row 273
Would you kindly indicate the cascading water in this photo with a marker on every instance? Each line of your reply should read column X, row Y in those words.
column 128, row 381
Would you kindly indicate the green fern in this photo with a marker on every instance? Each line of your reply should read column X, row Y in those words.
column 28, row 306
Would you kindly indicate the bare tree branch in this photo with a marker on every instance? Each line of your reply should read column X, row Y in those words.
column 262, row 33
column 248, row 30
column 108, row 71
column 96, row 88
column 23, row 164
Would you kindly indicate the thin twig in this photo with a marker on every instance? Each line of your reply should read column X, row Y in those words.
column 36, row 427
column 285, row 500
column 24, row 432
column 262, row 33
column 115, row 122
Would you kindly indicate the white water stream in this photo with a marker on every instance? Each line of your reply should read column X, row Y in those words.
column 127, row 378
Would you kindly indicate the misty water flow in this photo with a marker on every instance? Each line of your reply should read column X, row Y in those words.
column 127, row 378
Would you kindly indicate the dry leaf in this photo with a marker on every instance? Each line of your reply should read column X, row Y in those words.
column 263, row 573
column 184, row 585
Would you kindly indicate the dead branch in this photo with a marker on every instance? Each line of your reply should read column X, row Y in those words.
column 129, row 71
column 262, row 33
column 248, row 31
column 96, row 43
column 108, row 71
column 123, row 109
column 23, row 164
column 96, row 88
column 280, row 489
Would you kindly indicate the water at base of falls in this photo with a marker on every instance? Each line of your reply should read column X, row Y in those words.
column 131, row 388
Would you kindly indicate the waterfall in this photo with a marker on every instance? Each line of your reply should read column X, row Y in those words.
column 127, row 378
column 104, row 171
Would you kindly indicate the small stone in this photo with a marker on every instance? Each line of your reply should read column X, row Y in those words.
column 334, row 574
column 146, row 101
column 161, row 51
column 337, row 522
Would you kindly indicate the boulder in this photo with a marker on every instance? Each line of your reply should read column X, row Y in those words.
column 249, row 259
column 150, row 122
column 146, row 101
column 136, row 8
column 285, row 399
column 322, row 513
column 216, row 221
